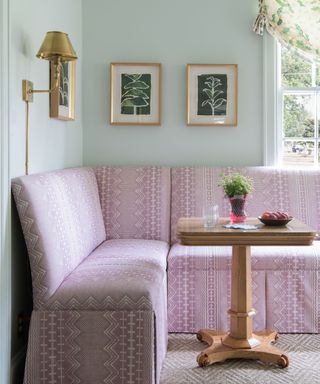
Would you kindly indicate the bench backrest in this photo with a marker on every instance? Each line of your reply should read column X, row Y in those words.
column 294, row 191
column 62, row 223
column 135, row 202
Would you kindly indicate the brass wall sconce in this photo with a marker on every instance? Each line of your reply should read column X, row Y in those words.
column 56, row 48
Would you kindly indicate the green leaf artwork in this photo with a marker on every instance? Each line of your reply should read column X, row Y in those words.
column 64, row 85
column 212, row 95
column 135, row 94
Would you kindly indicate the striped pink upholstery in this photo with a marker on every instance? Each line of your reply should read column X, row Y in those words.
column 286, row 288
column 90, row 347
column 119, row 274
column 62, row 223
column 135, row 202
column 294, row 191
column 199, row 289
column 100, row 307
column 98, row 241
column 286, row 285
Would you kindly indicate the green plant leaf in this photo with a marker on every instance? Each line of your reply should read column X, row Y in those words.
column 283, row 3
column 133, row 77
column 204, row 103
column 128, row 103
column 134, row 92
column 219, row 102
column 136, row 102
column 217, row 93
column 137, row 84
column 236, row 184
column 208, row 92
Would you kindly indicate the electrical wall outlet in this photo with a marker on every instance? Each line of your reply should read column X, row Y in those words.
column 22, row 323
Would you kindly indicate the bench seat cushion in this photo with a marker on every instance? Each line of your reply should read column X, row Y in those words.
column 118, row 275
column 285, row 288
column 133, row 252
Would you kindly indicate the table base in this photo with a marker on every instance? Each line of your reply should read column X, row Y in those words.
column 241, row 342
column 260, row 349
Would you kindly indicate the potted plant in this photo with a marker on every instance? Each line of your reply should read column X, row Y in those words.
column 236, row 187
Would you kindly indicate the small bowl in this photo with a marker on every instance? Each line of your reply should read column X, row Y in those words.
column 275, row 222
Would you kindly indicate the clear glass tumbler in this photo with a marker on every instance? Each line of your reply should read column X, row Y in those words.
column 210, row 215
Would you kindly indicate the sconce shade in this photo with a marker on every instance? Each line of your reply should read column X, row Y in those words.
column 57, row 45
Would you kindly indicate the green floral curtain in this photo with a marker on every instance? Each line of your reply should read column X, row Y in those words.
column 293, row 22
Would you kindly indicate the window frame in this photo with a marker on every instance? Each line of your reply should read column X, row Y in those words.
column 270, row 102
column 273, row 106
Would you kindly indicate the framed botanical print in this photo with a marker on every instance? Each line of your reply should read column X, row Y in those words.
column 135, row 94
column 62, row 98
column 212, row 93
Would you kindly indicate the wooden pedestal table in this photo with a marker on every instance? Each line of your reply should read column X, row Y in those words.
column 240, row 341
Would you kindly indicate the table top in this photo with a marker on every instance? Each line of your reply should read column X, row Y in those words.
column 191, row 231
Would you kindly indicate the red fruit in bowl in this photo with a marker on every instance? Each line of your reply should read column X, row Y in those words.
column 275, row 218
column 283, row 215
column 266, row 215
column 276, row 215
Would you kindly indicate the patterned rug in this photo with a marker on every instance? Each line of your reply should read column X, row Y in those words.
column 180, row 365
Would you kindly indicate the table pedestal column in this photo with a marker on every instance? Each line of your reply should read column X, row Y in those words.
column 240, row 342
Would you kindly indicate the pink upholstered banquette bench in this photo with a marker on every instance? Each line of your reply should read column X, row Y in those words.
column 108, row 272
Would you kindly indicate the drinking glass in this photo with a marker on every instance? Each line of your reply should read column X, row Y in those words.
column 210, row 215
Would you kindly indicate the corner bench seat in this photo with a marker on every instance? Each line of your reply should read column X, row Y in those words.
column 98, row 241
column 106, row 306
column 117, row 275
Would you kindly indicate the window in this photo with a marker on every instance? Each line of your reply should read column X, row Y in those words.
column 299, row 110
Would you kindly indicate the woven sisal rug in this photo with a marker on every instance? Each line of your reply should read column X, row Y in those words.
column 180, row 365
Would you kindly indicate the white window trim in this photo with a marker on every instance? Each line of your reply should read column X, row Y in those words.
column 279, row 106
column 273, row 105
column 270, row 102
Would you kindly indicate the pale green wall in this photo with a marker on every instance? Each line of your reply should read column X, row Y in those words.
column 53, row 144
column 174, row 33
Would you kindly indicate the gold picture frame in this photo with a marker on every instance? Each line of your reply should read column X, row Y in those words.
column 62, row 98
column 212, row 94
column 135, row 93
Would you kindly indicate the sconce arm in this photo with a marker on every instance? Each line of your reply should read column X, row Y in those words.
column 28, row 91
column 40, row 90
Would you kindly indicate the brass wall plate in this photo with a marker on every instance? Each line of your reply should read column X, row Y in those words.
column 27, row 88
